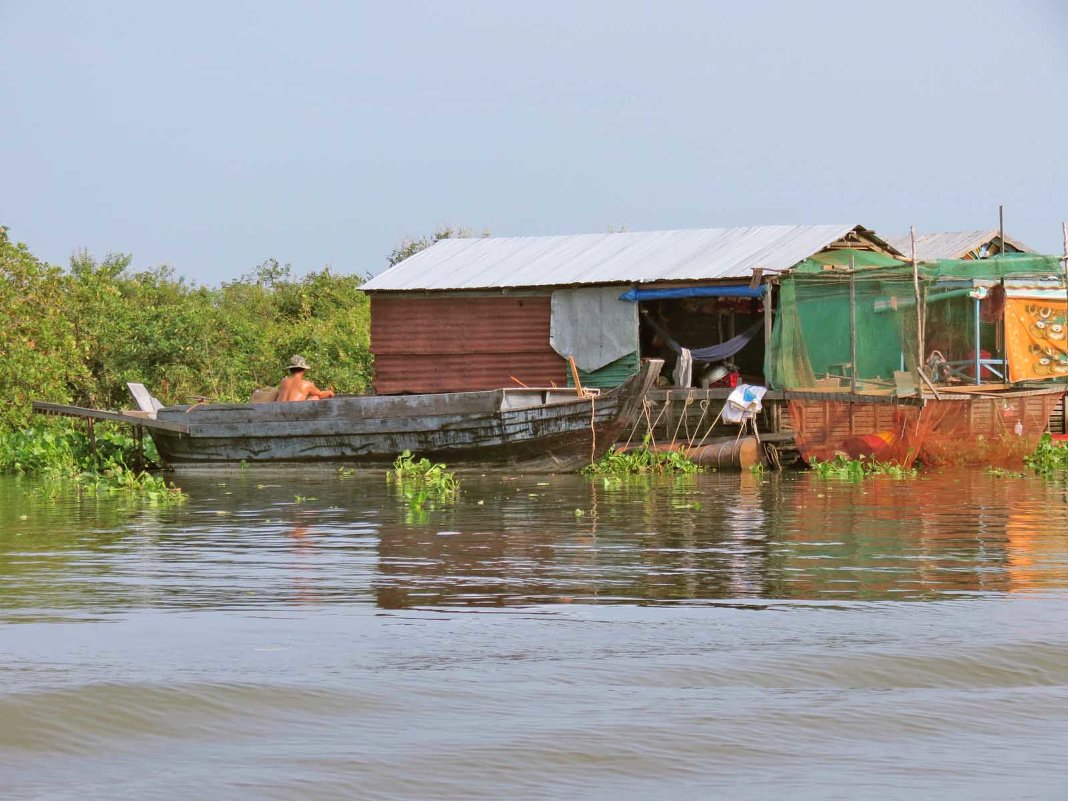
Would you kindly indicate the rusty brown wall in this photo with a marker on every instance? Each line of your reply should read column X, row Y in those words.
column 460, row 343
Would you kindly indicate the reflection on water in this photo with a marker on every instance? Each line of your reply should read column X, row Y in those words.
column 250, row 539
column 307, row 636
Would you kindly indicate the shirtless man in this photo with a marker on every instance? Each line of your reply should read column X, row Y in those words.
column 295, row 387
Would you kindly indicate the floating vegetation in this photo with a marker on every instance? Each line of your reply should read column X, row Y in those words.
column 61, row 453
column 1001, row 472
column 1049, row 457
column 641, row 461
column 423, row 483
column 858, row 469
column 119, row 478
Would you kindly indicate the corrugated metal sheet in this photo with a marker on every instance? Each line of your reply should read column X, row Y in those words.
column 640, row 257
column 451, row 344
column 611, row 375
column 951, row 244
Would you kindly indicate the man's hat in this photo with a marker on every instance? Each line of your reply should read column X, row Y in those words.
column 297, row 363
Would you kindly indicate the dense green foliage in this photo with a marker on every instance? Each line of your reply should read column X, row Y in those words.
column 58, row 452
column 1049, row 457
column 641, row 461
column 78, row 335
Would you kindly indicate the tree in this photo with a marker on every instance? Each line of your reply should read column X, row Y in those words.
column 409, row 246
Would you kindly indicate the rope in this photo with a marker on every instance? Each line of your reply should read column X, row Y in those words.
column 714, row 422
column 704, row 410
column 652, row 425
column 682, row 416
column 593, row 428
column 637, row 418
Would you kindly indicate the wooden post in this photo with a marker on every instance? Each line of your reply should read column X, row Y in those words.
column 1064, row 401
column 999, row 346
column 139, row 442
column 919, row 302
column 1001, row 229
column 767, row 317
column 575, row 375
column 852, row 328
column 90, row 428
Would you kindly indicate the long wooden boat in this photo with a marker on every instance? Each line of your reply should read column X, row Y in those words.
column 535, row 429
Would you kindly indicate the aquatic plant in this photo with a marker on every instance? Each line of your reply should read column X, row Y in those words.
column 119, row 478
column 423, row 483
column 858, row 469
column 640, row 461
column 1001, row 472
column 59, row 447
column 57, row 451
column 1049, row 457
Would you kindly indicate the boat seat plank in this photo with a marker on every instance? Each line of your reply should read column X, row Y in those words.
column 130, row 418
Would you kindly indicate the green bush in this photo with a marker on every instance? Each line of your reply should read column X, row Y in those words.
column 78, row 335
column 1049, row 457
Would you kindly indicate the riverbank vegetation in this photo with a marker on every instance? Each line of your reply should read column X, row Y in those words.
column 77, row 335
column 58, row 453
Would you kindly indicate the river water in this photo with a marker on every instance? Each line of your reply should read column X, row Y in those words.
column 306, row 635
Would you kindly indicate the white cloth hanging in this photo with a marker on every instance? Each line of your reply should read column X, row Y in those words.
column 683, row 373
column 743, row 403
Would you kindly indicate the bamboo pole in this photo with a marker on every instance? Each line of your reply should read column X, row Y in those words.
column 767, row 316
column 853, row 326
column 1001, row 229
column 575, row 375
column 999, row 327
column 919, row 301
column 1064, row 403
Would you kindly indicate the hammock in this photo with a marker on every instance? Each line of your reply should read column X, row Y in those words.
column 715, row 353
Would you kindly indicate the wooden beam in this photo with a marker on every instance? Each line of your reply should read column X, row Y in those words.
column 63, row 410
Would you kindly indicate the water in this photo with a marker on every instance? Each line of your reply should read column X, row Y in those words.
column 307, row 636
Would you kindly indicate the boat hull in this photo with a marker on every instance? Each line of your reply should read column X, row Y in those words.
column 533, row 429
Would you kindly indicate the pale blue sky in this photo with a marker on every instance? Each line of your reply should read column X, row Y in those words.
column 211, row 136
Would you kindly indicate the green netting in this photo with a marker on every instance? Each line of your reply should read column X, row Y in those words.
column 786, row 363
column 1004, row 266
column 811, row 339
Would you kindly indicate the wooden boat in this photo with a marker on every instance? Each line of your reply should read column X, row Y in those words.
column 535, row 429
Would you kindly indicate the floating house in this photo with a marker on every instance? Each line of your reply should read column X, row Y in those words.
column 471, row 314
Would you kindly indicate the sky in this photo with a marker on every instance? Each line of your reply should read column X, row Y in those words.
column 213, row 136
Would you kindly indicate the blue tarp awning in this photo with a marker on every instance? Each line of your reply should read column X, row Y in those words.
column 732, row 291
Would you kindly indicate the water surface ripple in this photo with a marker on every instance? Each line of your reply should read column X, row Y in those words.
column 306, row 635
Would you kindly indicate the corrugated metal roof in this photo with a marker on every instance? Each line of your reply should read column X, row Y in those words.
column 640, row 257
column 951, row 244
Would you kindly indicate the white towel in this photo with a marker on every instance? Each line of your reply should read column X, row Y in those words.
column 683, row 374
